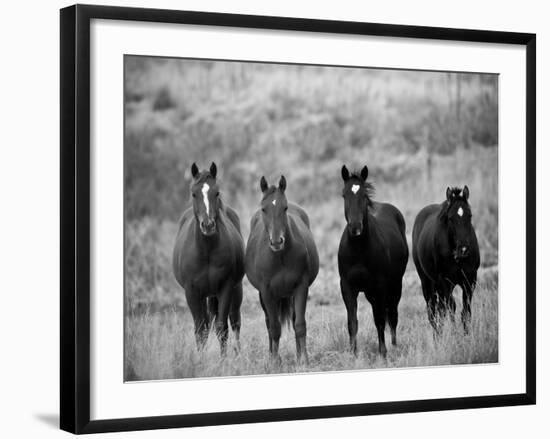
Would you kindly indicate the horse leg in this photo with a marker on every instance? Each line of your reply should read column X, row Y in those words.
column 350, row 300
column 266, row 320
column 445, row 290
column 274, row 325
column 224, row 301
column 467, row 286
column 451, row 305
column 393, row 304
column 299, row 322
column 430, row 297
column 235, row 313
column 379, row 313
column 433, row 316
column 197, row 306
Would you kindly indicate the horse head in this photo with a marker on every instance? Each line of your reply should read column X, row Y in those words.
column 274, row 213
column 357, row 199
column 456, row 216
column 206, row 198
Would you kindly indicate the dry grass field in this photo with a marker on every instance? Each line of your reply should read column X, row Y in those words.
column 418, row 132
column 161, row 345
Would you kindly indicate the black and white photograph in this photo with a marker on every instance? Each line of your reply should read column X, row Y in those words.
column 294, row 218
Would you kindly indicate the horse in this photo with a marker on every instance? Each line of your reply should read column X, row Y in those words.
column 446, row 254
column 281, row 262
column 372, row 256
column 208, row 260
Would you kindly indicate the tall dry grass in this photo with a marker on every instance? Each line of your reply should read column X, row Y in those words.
column 161, row 345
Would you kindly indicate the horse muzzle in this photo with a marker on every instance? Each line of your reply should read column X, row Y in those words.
column 355, row 229
column 208, row 227
column 461, row 252
column 277, row 246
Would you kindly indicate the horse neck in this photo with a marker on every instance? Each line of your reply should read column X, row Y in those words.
column 289, row 233
column 368, row 236
column 441, row 231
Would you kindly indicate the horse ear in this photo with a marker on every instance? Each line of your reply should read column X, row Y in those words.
column 466, row 193
column 263, row 184
column 448, row 194
column 213, row 170
column 345, row 173
column 194, row 170
column 282, row 183
column 364, row 173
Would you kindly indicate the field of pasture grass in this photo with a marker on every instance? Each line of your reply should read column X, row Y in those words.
column 418, row 133
column 161, row 345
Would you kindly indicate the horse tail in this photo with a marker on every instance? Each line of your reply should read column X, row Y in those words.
column 212, row 307
column 286, row 310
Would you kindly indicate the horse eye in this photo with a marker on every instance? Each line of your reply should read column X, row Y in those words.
column 194, row 195
column 217, row 194
column 286, row 208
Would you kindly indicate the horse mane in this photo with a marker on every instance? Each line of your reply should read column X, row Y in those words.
column 367, row 185
column 456, row 195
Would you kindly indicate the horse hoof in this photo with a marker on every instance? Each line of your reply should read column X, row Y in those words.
column 276, row 360
column 237, row 347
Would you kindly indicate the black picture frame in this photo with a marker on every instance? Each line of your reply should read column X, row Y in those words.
column 75, row 217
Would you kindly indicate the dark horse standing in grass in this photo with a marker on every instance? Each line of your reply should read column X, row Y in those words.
column 372, row 256
column 446, row 253
column 208, row 259
column 281, row 262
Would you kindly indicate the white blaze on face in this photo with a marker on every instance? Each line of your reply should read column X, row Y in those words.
column 204, row 190
column 355, row 188
column 460, row 211
column 274, row 202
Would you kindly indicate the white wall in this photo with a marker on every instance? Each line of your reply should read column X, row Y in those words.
column 30, row 203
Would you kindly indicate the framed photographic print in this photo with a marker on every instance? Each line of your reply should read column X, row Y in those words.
column 260, row 214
